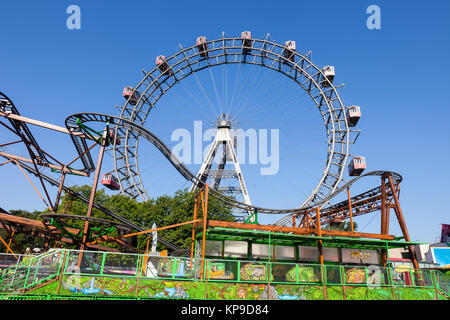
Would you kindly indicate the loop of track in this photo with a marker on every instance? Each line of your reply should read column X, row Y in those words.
column 142, row 132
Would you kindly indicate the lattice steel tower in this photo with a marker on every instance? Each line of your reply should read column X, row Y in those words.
column 221, row 152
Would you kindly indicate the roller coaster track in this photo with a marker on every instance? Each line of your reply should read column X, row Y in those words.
column 79, row 139
column 140, row 131
column 8, row 110
column 7, row 106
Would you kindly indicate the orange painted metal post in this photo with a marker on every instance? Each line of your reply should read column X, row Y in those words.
column 58, row 196
column 148, row 244
column 401, row 220
column 193, row 229
column 7, row 247
column 319, row 233
column 11, row 239
column 42, row 198
column 383, row 218
column 205, row 217
column 383, row 205
column 350, row 208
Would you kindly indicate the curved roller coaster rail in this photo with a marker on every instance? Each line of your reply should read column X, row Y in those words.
column 140, row 131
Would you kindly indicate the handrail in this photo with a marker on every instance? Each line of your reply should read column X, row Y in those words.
column 29, row 273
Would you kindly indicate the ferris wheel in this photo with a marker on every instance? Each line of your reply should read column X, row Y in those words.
column 339, row 121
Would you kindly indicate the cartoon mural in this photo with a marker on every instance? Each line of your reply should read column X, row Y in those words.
column 253, row 272
column 179, row 289
column 355, row 275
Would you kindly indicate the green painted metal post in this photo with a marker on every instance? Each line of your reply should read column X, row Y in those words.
column 103, row 263
column 390, row 283
column 433, row 279
column 239, row 271
column 28, row 273
column 367, row 277
column 341, row 269
column 174, row 267
column 322, row 272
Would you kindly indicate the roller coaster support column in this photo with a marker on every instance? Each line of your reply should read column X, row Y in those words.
column 61, row 185
column 103, row 144
column 384, row 220
column 350, row 208
column 319, row 233
column 401, row 221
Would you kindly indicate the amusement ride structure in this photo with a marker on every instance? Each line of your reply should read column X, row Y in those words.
column 122, row 134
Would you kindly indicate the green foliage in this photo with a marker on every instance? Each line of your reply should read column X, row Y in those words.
column 343, row 226
column 21, row 241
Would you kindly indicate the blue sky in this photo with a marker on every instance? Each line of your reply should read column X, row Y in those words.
column 398, row 75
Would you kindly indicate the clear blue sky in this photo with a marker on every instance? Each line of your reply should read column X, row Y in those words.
column 398, row 75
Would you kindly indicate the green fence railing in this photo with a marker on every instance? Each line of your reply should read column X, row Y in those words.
column 35, row 270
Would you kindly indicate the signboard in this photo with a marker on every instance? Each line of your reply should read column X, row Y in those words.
column 351, row 255
column 360, row 256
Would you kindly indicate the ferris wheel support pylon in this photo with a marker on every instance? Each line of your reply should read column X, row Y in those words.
column 223, row 137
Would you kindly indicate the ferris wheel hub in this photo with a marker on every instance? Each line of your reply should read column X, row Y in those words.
column 224, row 121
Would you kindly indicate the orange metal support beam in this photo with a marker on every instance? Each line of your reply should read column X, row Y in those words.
column 28, row 178
column 8, row 247
column 319, row 233
column 297, row 231
column 350, row 208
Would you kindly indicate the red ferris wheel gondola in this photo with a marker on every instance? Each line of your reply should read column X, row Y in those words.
column 110, row 181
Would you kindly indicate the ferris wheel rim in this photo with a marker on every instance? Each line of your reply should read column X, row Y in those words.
column 156, row 81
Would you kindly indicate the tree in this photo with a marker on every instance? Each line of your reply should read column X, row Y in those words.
column 163, row 211
column 342, row 226
column 167, row 210
column 22, row 241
